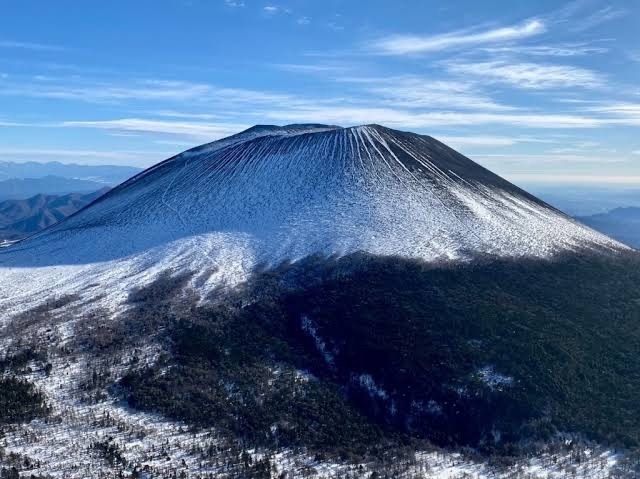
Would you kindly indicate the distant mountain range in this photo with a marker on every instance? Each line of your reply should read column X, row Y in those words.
column 622, row 224
column 585, row 200
column 23, row 188
column 36, row 195
column 20, row 218
column 105, row 174
column 19, row 181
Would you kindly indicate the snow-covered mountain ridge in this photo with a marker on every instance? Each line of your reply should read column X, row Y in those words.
column 271, row 194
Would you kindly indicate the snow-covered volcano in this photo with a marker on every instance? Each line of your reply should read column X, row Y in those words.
column 281, row 193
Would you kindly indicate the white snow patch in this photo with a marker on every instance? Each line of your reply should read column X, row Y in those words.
column 493, row 379
column 367, row 382
column 311, row 329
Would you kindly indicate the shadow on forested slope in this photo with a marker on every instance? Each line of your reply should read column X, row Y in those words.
column 347, row 355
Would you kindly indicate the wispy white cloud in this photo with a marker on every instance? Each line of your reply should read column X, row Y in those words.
column 8, row 152
column 181, row 144
column 603, row 15
column 574, row 150
column 143, row 90
column 251, row 97
column 578, row 15
column 409, row 102
column 584, row 145
column 335, row 26
column 204, row 131
column 264, row 106
column 185, row 115
column 549, row 157
column 628, row 110
column 576, row 101
column 276, row 9
column 9, row 124
column 234, row 3
column 313, row 68
column 595, row 179
column 30, row 46
column 303, row 21
column 487, row 141
column 493, row 141
column 339, row 111
column 530, row 75
column 562, row 50
column 414, row 44
column 91, row 91
column 411, row 91
column 404, row 118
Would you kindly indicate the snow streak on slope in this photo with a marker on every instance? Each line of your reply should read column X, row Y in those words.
column 271, row 194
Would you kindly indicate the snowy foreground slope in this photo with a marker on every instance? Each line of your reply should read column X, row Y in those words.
column 278, row 193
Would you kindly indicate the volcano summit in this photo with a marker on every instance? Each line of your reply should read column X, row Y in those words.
column 271, row 194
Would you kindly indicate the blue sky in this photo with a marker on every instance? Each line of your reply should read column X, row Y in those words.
column 544, row 91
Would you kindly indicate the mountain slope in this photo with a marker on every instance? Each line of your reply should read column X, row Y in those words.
column 20, row 218
column 272, row 194
column 622, row 224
